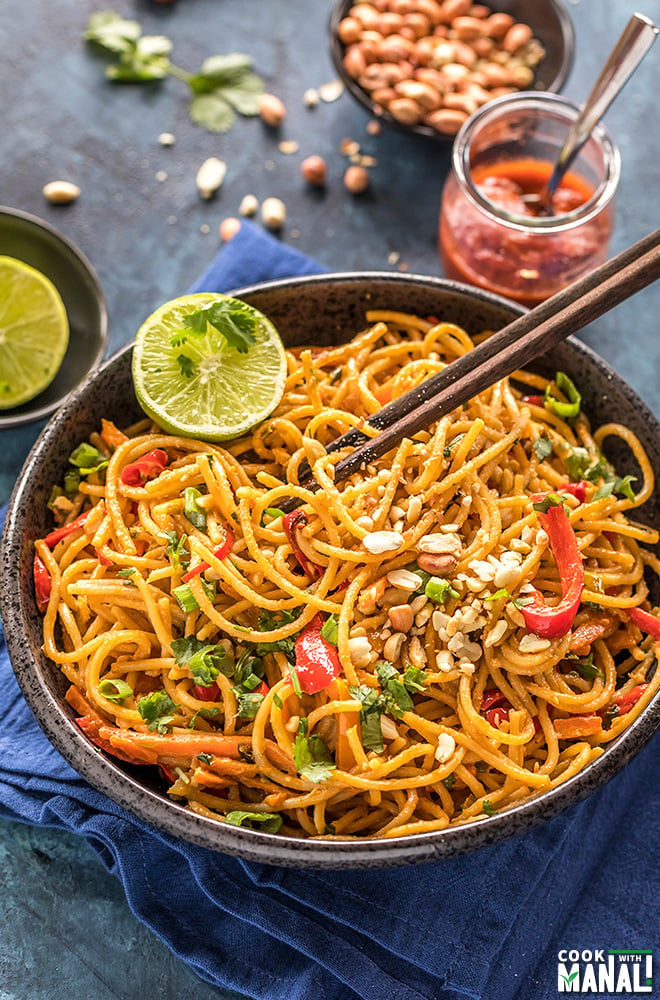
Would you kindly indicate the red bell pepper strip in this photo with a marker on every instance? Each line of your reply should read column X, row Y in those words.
column 147, row 467
column 496, row 715
column 317, row 661
column 291, row 523
column 42, row 582
column 645, row 620
column 53, row 537
column 539, row 617
column 626, row 701
column 219, row 553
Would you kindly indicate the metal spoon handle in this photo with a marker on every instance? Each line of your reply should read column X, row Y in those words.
column 637, row 38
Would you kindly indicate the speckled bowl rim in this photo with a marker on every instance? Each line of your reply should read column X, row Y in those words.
column 28, row 416
column 56, row 718
column 339, row 9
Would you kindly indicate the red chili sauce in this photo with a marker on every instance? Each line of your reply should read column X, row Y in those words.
column 528, row 266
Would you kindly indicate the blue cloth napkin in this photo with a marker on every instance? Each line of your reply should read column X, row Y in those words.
column 489, row 924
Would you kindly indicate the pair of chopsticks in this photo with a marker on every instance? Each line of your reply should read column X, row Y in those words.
column 526, row 338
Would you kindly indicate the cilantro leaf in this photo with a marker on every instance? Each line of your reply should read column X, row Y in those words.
column 201, row 658
column 187, row 366
column 543, row 447
column 158, row 710
column 587, row 668
column 488, row 807
column 205, row 758
column 448, row 448
column 147, row 60
column 413, row 679
column 269, row 822
column 518, row 602
column 551, row 500
column 126, row 571
column 112, row 32
column 234, row 320
column 449, row 781
column 268, row 621
column 212, row 112
column 312, row 758
column 373, row 706
column 175, row 548
column 220, row 70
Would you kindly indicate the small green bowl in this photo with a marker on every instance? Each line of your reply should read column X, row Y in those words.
column 37, row 243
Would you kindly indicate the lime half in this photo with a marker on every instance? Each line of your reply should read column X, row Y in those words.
column 34, row 332
column 208, row 366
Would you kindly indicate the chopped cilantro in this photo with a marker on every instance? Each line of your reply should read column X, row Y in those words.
column 205, row 758
column 176, row 549
column 295, row 682
column 587, row 668
column 449, row 781
column 158, row 710
column 187, row 366
column 223, row 85
column 447, row 450
column 269, row 822
column 544, row 505
column 234, row 320
column 312, row 758
column 488, row 807
column 204, row 660
column 543, row 447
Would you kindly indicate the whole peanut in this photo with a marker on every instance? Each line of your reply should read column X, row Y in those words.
column 314, row 170
column 356, row 179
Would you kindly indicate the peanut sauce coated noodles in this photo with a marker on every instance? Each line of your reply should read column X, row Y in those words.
column 462, row 625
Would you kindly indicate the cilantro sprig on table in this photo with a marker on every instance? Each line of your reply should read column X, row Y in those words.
column 223, row 85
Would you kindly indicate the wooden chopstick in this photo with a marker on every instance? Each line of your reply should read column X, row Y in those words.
column 518, row 343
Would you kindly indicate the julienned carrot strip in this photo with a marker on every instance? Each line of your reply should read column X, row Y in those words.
column 111, row 434
column 345, row 720
column 179, row 746
column 577, row 725
column 79, row 703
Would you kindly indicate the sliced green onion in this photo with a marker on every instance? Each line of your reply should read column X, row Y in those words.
column 195, row 514
column 439, row 590
column 115, row 689
column 569, row 410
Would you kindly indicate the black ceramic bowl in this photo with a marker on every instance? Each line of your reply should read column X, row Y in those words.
column 327, row 309
column 549, row 20
column 37, row 243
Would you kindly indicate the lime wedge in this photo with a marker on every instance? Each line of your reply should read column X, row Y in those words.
column 213, row 382
column 34, row 332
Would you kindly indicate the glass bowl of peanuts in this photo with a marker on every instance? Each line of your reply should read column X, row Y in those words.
column 426, row 65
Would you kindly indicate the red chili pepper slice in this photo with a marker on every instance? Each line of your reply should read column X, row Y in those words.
column 627, row 701
column 645, row 620
column 42, row 582
column 53, row 537
column 490, row 698
column 208, row 692
column 533, row 400
column 147, row 467
column 577, row 490
column 219, row 553
column 291, row 523
column 496, row 715
column 317, row 660
column 539, row 617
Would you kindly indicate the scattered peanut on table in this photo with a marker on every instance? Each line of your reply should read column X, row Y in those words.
column 433, row 63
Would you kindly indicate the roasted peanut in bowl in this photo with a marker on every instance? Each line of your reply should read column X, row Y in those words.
column 427, row 65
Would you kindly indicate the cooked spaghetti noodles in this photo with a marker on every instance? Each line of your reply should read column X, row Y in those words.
column 450, row 631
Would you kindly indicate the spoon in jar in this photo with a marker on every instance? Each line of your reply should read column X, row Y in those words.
column 637, row 38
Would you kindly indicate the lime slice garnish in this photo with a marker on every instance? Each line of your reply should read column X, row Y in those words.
column 208, row 381
column 34, row 332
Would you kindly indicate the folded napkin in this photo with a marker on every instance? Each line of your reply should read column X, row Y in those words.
column 488, row 924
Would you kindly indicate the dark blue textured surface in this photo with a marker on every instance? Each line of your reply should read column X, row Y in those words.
column 66, row 928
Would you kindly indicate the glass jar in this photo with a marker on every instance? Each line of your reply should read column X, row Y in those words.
column 489, row 235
